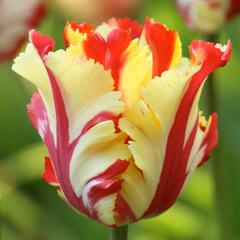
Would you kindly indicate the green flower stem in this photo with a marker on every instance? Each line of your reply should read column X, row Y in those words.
column 120, row 233
column 220, row 191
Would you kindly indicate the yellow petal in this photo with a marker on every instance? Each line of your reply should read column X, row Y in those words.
column 136, row 72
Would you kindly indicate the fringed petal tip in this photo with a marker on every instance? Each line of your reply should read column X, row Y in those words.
column 73, row 27
column 213, row 54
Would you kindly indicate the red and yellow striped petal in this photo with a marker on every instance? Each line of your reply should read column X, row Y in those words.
column 74, row 33
column 180, row 141
column 165, row 46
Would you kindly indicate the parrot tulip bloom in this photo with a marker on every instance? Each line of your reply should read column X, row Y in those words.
column 97, row 10
column 17, row 17
column 118, row 112
column 208, row 16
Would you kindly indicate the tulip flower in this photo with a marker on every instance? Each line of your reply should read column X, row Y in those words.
column 118, row 112
column 17, row 17
column 208, row 16
column 96, row 11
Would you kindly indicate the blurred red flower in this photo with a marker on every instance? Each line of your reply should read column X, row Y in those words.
column 16, row 18
column 208, row 16
column 96, row 11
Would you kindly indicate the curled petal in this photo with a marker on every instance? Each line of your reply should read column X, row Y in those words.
column 44, row 44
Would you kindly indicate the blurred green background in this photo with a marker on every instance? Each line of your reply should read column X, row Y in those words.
column 209, row 206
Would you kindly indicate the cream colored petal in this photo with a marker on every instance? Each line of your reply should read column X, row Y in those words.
column 96, row 151
column 30, row 66
column 86, row 89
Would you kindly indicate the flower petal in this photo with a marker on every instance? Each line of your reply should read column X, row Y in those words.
column 49, row 174
column 181, row 140
column 165, row 46
column 127, row 24
column 74, row 33
column 135, row 72
column 110, row 52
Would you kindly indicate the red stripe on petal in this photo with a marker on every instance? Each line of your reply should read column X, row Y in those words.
column 118, row 41
column 37, row 113
column 176, row 179
column 108, row 179
column 123, row 212
column 42, row 42
column 210, row 57
column 61, row 151
column 117, row 168
column 174, row 170
column 95, row 47
column 211, row 139
column 108, row 183
column 103, row 189
column 49, row 174
column 109, row 53
column 101, row 117
column 128, row 24
column 161, row 42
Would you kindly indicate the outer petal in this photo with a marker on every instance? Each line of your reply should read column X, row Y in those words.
column 84, row 117
column 181, row 140
column 30, row 66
